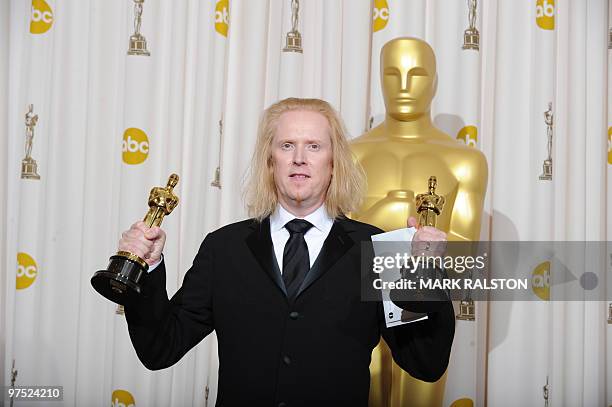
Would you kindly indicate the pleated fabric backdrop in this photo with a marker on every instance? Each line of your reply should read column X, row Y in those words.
column 112, row 125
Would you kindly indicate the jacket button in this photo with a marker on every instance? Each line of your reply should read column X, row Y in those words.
column 294, row 315
column 287, row 360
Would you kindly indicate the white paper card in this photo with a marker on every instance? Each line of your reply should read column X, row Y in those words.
column 394, row 315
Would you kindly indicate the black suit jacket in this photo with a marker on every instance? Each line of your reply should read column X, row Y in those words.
column 313, row 351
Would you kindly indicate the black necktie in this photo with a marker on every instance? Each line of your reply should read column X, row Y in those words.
column 296, row 262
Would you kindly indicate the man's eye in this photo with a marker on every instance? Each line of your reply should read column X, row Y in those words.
column 314, row 147
column 286, row 146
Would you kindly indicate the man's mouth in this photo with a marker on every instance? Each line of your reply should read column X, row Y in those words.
column 299, row 176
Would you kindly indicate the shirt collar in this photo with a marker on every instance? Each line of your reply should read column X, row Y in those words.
column 320, row 219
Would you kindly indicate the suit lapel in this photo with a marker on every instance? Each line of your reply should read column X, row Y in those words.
column 337, row 243
column 260, row 243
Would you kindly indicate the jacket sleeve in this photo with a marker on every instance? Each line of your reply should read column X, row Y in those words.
column 163, row 330
column 423, row 348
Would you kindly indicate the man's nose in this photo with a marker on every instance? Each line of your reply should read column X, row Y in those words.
column 299, row 156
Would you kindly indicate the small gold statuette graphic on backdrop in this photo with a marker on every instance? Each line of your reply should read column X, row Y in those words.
column 467, row 310
column 121, row 280
column 216, row 182
column 138, row 43
column 471, row 36
column 28, row 164
column 14, row 373
column 547, row 171
column 293, row 40
column 429, row 205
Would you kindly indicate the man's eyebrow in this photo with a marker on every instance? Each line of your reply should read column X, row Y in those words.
column 283, row 139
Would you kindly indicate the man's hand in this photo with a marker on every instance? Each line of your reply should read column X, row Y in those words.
column 427, row 241
column 147, row 243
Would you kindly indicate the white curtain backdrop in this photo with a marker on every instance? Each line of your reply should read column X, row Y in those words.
column 608, row 217
column 111, row 126
column 561, row 342
column 4, row 275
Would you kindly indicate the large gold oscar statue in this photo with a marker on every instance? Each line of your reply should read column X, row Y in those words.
column 398, row 157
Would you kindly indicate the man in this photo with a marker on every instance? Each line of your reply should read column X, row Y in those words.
column 282, row 290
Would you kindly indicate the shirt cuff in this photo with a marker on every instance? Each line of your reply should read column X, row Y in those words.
column 154, row 266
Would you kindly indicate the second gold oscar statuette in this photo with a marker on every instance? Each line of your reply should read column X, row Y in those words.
column 429, row 205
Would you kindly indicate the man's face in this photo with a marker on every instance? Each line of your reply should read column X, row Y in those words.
column 302, row 160
column 408, row 76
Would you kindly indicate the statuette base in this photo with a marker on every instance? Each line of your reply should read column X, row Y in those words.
column 471, row 39
column 293, row 42
column 121, row 280
column 547, row 171
column 29, row 169
column 138, row 45
column 466, row 311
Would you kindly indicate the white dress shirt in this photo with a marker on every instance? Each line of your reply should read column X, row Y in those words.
column 315, row 236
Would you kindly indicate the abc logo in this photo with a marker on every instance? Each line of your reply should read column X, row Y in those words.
column 135, row 146
column 610, row 145
column 380, row 14
column 222, row 17
column 464, row 402
column 27, row 270
column 41, row 18
column 122, row 398
column 540, row 281
column 545, row 14
column 469, row 135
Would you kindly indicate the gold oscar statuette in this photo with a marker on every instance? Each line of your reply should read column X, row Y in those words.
column 398, row 154
column 121, row 280
column 138, row 43
column 429, row 205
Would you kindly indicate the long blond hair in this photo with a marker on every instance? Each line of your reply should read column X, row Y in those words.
column 347, row 185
